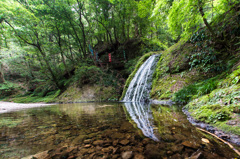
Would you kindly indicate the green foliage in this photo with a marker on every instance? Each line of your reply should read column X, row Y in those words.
column 88, row 75
column 49, row 98
column 204, row 56
column 8, row 88
column 130, row 65
column 192, row 91
column 185, row 17
column 155, row 45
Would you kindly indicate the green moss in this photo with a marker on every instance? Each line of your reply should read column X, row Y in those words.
column 167, row 56
column 163, row 89
column 211, row 113
column 232, row 79
column 173, row 66
column 228, row 128
column 106, row 94
column 88, row 93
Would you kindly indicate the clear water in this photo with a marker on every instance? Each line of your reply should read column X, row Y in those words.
column 104, row 130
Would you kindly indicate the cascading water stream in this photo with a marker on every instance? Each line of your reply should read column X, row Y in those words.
column 138, row 93
column 140, row 86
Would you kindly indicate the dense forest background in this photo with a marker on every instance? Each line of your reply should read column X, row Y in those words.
column 46, row 46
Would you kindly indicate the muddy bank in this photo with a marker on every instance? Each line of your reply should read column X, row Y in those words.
column 10, row 107
column 226, row 136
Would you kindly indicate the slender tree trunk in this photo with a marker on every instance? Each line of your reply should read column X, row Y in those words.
column 2, row 79
column 114, row 28
column 136, row 34
column 205, row 21
column 123, row 30
column 28, row 63
column 78, row 40
column 75, row 32
column 49, row 68
column 61, row 50
column 69, row 50
column 128, row 29
column 82, row 27
column 108, row 32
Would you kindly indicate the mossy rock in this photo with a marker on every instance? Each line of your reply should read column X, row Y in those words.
column 87, row 93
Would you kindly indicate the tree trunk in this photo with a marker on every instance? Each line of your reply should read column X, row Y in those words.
column 49, row 68
column 61, row 50
column 82, row 27
column 2, row 79
column 206, row 22
column 114, row 29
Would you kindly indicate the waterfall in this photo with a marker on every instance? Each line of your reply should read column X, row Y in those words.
column 140, row 86
column 136, row 96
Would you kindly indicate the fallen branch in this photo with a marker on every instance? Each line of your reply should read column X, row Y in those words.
column 231, row 146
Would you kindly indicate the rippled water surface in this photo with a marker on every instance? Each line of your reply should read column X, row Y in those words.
column 105, row 130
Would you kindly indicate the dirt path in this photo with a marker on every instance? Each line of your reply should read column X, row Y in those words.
column 9, row 106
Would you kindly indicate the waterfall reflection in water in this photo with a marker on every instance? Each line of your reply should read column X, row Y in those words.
column 141, row 114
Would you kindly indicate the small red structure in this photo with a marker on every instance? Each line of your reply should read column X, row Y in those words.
column 109, row 57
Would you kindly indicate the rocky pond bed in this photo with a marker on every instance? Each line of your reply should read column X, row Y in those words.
column 113, row 144
column 98, row 130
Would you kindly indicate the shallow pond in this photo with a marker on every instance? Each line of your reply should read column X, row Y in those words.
column 105, row 130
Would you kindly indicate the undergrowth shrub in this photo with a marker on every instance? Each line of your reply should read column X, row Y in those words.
column 195, row 90
column 8, row 88
column 94, row 75
column 48, row 98
column 130, row 65
column 44, row 88
column 87, row 75
column 204, row 56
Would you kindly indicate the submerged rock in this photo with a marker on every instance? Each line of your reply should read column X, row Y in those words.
column 98, row 142
column 127, row 155
column 196, row 155
column 124, row 142
column 108, row 149
column 191, row 144
column 87, row 146
column 139, row 156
